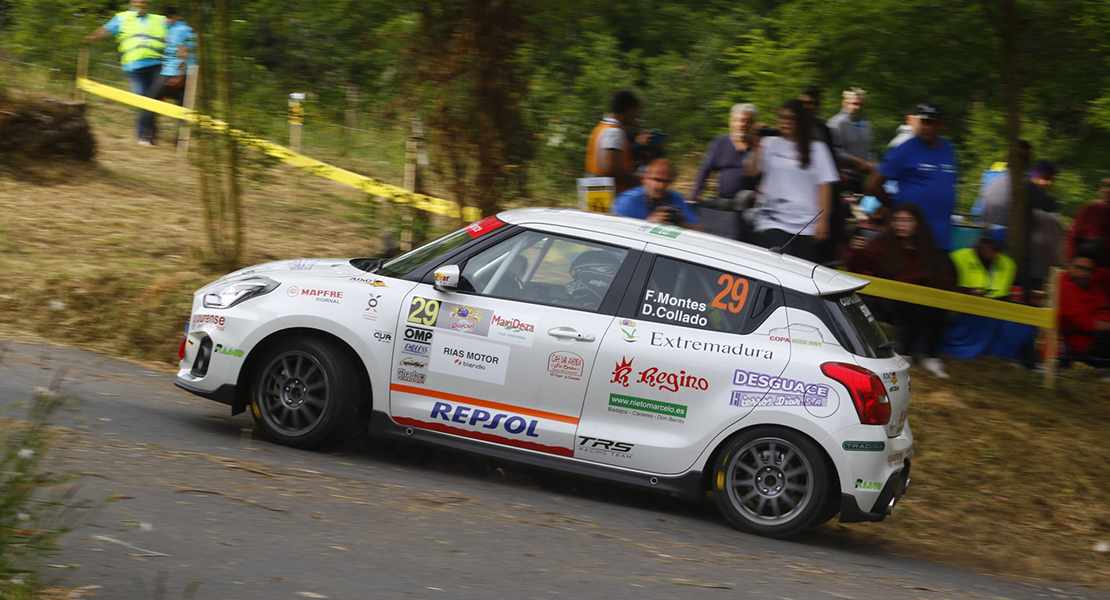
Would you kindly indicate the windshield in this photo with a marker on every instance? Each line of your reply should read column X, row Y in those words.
column 410, row 261
column 856, row 328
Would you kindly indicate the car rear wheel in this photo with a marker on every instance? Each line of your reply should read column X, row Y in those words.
column 304, row 393
column 771, row 482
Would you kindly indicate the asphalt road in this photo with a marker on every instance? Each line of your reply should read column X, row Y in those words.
column 203, row 506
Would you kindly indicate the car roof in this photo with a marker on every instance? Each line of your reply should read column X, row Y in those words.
column 792, row 272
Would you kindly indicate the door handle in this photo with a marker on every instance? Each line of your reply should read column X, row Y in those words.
column 570, row 334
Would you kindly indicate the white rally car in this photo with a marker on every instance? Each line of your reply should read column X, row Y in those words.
column 646, row 354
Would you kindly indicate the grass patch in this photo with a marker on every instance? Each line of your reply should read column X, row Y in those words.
column 1008, row 477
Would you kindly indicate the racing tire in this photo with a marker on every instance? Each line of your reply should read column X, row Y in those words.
column 304, row 393
column 771, row 482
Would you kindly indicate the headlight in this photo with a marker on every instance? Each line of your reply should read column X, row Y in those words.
column 230, row 294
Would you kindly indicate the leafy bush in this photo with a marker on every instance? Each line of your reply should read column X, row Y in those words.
column 35, row 507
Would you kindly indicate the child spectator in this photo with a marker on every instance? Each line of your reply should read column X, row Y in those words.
column 908, row 253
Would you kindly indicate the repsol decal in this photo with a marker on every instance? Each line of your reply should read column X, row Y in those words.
column 477, row 417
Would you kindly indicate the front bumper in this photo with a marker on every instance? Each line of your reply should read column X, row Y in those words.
column 896, row 485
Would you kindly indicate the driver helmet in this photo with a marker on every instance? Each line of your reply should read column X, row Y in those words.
column 593, row 269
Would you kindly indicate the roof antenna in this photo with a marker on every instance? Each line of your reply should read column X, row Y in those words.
column 779, row 249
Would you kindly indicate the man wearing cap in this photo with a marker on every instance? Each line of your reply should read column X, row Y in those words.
column 983, row 270
column 925, row 169
column 142, row 38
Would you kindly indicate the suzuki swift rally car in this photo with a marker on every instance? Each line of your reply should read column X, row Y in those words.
column 646, row 354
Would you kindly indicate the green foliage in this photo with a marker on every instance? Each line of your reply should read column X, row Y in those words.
column 35, row 510
column 689, row 61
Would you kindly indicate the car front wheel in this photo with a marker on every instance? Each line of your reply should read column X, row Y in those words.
column 770, row 481
column 304, row 393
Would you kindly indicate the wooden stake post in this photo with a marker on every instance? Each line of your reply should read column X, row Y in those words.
column 190, row 102
column 296, row 120
column 1052, row 336
column 82, row 73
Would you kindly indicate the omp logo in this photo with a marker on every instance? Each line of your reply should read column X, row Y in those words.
column 415, row 334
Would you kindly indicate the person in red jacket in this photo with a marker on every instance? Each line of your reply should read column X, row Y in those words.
column 907, row 252
column 1092, row 222
column 1084, row 310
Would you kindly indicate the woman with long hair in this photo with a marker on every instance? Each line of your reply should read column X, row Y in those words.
column 796, row 189
column 907, row 252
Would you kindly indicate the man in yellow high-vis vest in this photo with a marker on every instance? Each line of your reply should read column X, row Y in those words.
column 142, row 39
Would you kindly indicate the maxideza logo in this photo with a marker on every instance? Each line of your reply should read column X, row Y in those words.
column 513, row 324
column 656, row 378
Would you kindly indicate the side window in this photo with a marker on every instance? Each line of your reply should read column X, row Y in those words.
column 682, row 293
column 545, row 269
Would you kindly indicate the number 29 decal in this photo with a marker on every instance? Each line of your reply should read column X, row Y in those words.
column 736, row 288
column 423, row 311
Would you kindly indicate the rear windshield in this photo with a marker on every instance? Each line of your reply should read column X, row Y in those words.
column 855, row 326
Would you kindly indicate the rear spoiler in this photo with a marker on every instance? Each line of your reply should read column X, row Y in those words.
column 831, row 281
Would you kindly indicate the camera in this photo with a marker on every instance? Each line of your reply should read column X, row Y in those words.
column 674, row 215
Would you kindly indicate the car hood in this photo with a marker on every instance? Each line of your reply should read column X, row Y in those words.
column 313, row 267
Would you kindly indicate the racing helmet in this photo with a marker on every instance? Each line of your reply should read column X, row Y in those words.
column 593, row 269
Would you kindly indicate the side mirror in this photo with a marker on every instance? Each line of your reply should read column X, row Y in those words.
column 447, row 278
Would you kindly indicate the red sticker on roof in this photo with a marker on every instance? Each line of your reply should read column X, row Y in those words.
column 483, row 227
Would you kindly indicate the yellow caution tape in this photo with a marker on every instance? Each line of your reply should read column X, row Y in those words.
column 349, row 178
column 972, row 305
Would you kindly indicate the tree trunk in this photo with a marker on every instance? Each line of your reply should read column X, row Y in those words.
column 1019, row 227
column 218, row 157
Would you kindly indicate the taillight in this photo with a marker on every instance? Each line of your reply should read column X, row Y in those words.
column 867, row 390
column 181, row 350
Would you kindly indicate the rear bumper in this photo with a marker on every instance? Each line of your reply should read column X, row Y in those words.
column 896, row 485
column 225, row 394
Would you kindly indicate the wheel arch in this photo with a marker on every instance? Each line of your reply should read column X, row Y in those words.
column 707, row 483
column 253, row 360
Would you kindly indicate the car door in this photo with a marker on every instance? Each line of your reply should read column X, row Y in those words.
column 687, row 359
column 507, row 356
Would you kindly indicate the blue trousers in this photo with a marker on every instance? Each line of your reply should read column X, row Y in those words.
column 141, row 82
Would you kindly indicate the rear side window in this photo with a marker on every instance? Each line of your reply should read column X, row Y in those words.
column 682, row 293
column 855, row 327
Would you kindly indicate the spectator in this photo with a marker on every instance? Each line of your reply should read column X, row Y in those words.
column 1092, row 222
column 656, row 203
column 996, row 204
column 725, row 156
column 1085, row 309
column 905, row 131
column 180, row 53
column 609, row 149
column 142, row 38
column 841, row 211
column 906, row 252
column 925, row 169
column 983, row 270
column 796, row 189
column 851, row 137
column 811, row 98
